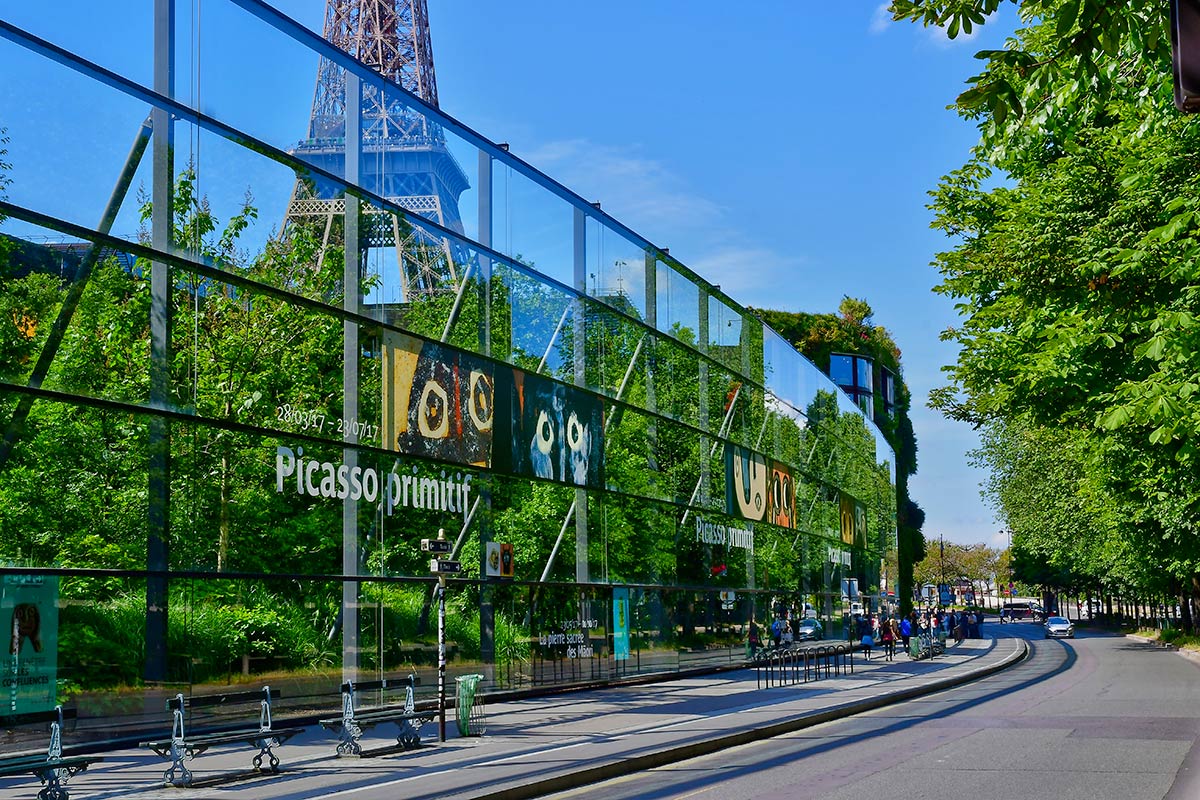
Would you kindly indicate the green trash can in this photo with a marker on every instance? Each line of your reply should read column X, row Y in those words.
column 468, row 706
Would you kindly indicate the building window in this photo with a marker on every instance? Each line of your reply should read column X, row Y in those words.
column 887, row 390
column 855, row 376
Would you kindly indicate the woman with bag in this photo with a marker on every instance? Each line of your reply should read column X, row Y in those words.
column 888, row 634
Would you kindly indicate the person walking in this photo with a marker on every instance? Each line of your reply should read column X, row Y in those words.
column 906, row 631
column 888, row 634
column 868, row 639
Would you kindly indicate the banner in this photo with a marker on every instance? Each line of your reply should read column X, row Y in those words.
column 745, row 483
column 620, row 624
column 547, row 429
column 29, row 665
column 782, row 496
column 853, row 521
column 438, row 401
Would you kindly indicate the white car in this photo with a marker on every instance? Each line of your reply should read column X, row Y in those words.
column 1060, row 627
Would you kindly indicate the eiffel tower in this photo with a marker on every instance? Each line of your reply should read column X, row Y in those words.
column 404, row 156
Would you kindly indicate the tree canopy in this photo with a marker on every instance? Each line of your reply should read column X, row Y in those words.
column 1074, row 268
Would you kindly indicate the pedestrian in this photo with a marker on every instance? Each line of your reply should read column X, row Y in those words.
column 959, row 627
column 888, row 635
column 867, row 641
column 752, row 640
column 777, row 630
column 972, row 626
column 905, row 631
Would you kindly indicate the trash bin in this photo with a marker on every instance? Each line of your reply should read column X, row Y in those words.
column 468, row 706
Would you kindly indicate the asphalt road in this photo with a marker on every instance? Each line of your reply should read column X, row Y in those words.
column 1100, row 717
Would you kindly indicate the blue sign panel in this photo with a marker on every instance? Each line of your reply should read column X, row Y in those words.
column 620, row 624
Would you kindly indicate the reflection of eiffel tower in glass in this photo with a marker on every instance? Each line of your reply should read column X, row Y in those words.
column 404, row 156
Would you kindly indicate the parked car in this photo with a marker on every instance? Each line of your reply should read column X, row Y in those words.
column 1060, row 628
column 809, row 629
column 1021, row 610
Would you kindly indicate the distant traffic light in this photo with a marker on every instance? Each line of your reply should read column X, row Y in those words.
column 1185, row 53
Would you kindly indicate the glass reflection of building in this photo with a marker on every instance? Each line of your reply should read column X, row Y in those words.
column 267, row 430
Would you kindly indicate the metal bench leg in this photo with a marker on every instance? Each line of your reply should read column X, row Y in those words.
column 54, row 779
column 178, row 753
column 264, row 746
column 409, row 737
column 348, row 740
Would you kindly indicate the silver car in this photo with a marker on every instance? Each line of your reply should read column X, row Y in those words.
column 809, row 628
column 1060, row 627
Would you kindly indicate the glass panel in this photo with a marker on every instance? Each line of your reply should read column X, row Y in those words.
column 74, row 487
column 841, row 370
column 865, row 369
column 540, row 319
column 233, row 65
column 59, row 23
column 532, row 225
column 47, row 173
column 616, row 269
column 678, row 305
column 725, row 334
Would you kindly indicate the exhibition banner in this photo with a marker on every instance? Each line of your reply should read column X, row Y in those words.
column 29, row 665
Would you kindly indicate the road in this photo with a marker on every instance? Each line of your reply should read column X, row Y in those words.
column 1099, row 717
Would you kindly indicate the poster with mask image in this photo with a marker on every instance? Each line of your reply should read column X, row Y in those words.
column 549, row 430
column 745, row 483
column 29, row 664
column 782, row 494
column 853, row 521
column 438, row 401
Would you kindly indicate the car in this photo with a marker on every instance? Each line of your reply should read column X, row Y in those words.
column 809, row 629
column 1060, row 627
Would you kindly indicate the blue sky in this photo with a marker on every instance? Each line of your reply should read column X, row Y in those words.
column 780, row 149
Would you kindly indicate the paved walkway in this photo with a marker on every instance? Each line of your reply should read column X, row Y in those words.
column 539, row 745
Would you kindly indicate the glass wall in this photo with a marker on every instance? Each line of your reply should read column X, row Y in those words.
column 244, row 372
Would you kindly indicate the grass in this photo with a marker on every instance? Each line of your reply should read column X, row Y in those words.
column 1170, row 636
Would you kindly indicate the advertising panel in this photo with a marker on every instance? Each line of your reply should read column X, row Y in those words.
column 549, row 430
column 854, row 521
column 620, row 624
column 29, row 666
column 438, row 401
column 782, row 496
column 745, row 483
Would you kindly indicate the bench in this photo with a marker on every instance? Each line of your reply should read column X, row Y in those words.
column 52, row 769
column 185, row 743
column 354, row 720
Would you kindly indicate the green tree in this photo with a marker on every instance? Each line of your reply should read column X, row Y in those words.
column 1076, row 272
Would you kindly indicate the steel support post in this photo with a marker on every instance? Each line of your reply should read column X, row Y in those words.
column 483, row 500
column 351, row 301
column 159, row 483
column 579, row 347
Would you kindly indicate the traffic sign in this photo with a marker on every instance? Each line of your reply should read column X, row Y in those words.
column 441, row 566
column 435, row 545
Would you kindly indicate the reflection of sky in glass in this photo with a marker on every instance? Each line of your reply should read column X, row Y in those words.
column 532, row 225
column 841, row 370
column 616, row 269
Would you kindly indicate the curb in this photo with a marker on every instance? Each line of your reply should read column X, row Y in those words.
column 671, row 755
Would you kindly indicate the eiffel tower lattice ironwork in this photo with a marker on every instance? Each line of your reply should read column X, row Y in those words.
column 404, row 156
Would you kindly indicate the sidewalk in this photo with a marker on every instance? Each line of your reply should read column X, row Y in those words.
column 544, row 744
